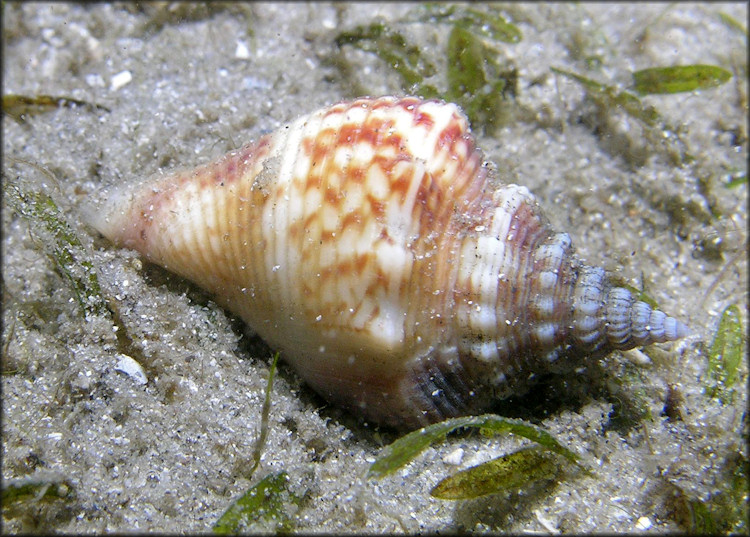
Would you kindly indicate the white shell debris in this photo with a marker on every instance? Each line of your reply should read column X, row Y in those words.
column 123, row 78
column 454, row 457
column 643, row 523
column 127, row 365
column 241, row 52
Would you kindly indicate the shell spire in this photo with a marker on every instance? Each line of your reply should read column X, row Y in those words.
column 366, row 242
column 624, row 322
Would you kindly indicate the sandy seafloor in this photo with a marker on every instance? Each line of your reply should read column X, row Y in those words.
column 171, row 455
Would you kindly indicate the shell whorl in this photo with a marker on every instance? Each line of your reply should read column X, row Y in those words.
column 367, row 243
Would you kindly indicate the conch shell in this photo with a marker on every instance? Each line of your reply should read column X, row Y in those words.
column 365, row 242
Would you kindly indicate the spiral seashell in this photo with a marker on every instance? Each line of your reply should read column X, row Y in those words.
column 366, row 243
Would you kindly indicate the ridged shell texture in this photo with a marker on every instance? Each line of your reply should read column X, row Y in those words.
column 366, row 242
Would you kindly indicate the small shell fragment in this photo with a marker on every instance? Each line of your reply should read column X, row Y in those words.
column 643, row 523
column 454, row 457
column 121, row 79
column 129, row 366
